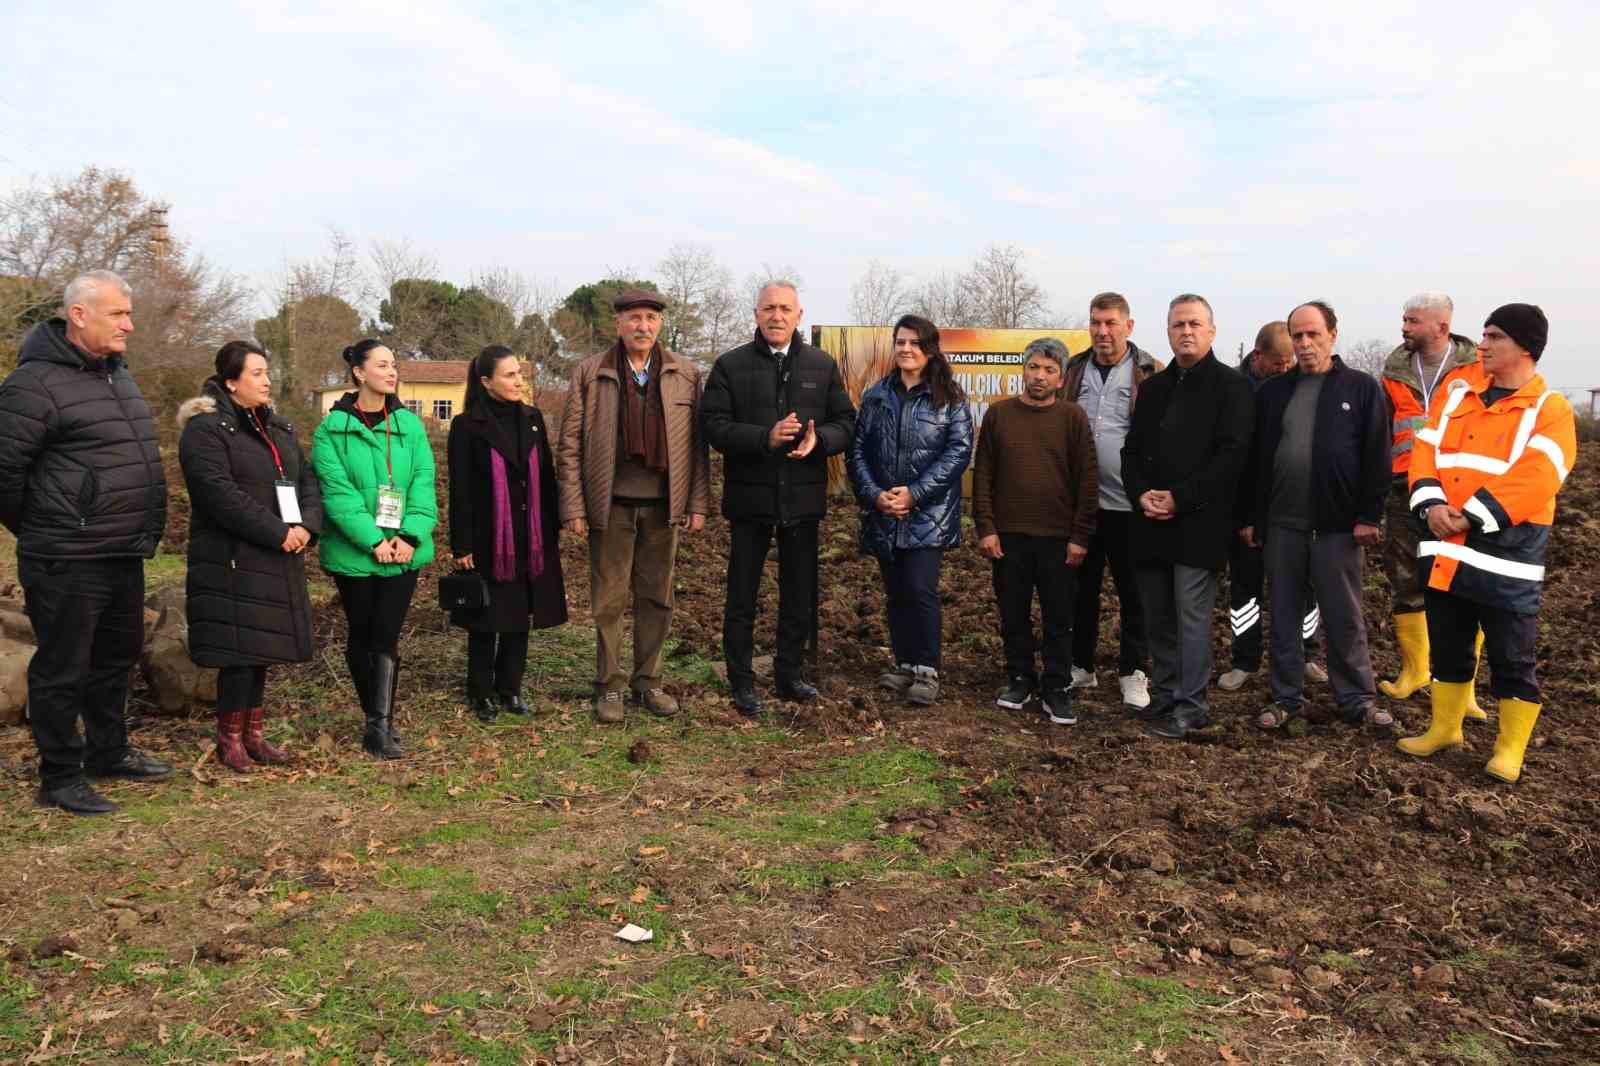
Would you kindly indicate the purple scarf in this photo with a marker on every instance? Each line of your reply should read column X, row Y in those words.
column 505, row 537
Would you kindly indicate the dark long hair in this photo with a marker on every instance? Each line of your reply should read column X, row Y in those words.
column 356, row 355
column 480, row 368
column 942, row 387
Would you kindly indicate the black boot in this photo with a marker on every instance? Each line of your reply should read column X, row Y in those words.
column 379, row 740
column 360, row 664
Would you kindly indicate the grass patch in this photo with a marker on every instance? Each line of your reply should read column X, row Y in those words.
column 1151, row 1012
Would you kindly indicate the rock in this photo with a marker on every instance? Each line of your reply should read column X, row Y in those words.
column 14, row 658
column 1321, row 980
column 220, row 950
column 53, row 947
column 175, row 681
column 1439, row 975
column 1163, row 863
column 1276, row 976
column 1240, row 948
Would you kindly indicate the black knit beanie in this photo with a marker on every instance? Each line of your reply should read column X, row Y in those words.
column 1525, row 324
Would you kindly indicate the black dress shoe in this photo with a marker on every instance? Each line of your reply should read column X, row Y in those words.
column 76, row 797
column 1177, row 725
column 484, row 708
column 514, row 705
column 134, row 763
column 746, row 702
column 796, row 690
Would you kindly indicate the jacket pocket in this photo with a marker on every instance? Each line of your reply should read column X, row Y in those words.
column 88, row 491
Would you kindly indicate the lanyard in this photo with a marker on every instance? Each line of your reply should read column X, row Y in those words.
column 1427, row 390
column 277, row 460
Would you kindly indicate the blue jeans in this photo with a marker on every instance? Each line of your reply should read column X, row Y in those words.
column 911, row 587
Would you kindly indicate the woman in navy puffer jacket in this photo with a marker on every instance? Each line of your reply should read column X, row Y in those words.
column 913, row 441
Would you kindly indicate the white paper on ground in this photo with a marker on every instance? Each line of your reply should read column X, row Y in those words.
column 633, row 934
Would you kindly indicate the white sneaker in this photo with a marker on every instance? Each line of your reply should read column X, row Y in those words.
column 1136, row 689
column 1234, row 679
column 1315, row 673
column 1081, row 678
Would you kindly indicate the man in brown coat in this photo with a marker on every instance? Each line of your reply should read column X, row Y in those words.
column 634, row 471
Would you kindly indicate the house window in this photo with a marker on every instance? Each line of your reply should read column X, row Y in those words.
column 415, row 407
column 442, row 410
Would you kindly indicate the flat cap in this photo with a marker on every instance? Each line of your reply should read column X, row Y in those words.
column 630, row 298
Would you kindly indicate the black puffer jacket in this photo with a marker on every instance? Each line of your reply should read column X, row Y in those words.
column 248, row 603
column 80, row 470
column 746, row 395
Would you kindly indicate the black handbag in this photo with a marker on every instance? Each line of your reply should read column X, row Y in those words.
column 464, row 590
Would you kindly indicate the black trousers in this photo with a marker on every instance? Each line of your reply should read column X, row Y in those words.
column 375, row 610
column 1110, row 545
column 88, row 619
column 1027, row 564
column 797, row 597
column 496, row 663
column 911, row 592
column 241, row 688
column 1508, row 643
column 1247, row 608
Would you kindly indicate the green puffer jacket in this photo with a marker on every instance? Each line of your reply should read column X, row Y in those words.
column 349, row 460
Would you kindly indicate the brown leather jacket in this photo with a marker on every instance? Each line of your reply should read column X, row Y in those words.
column 586, row 458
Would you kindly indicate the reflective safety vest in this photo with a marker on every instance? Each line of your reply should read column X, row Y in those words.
column 1501, row 466
column 1401, row 385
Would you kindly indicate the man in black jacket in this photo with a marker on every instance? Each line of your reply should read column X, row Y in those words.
column 1180, row 467
column 775, row 408
column 81, row 487
column 1320, row 473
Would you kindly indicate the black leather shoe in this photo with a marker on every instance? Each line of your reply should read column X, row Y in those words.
column 134, row 763
column 796, row 690
column 485, row 708
column 77, row 798
column 746, row 702
column 1177, row 725
column 514, row 705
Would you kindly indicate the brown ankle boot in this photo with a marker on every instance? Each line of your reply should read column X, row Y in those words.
column 256, row 744
column 230, row 741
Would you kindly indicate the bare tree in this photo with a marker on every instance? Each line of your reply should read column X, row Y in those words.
column 724, row 318
column 879, row 296
column 691, row 277
column 1002, row 293
column 760, row 279
column 945, row 300
column 411, row 317
column 1367, row 356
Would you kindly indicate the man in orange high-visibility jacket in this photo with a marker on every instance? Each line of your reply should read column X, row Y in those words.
column 1416, row 375
column 1484, row 477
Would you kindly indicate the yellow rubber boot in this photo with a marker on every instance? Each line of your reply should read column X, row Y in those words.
column 1411, row 633
column 1516, row 727
column 1475, row 712
column 1449, row 708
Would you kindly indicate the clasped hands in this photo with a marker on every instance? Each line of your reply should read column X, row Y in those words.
column 786, row 431
column 393, row 550
column 694, row 523
column 896, row 502
column 295, row 541
column 1446, row 521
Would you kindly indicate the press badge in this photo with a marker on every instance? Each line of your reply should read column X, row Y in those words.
column 288, row 503
column 391, row 506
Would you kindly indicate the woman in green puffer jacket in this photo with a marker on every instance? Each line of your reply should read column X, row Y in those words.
column 376, row 466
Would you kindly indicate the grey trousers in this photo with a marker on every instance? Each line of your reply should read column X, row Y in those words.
column 1331, row 562
column 1178, row 604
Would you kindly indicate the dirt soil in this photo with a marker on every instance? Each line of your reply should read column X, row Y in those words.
column 853, row 880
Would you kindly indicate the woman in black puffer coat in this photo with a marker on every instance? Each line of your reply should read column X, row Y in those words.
column 912, row 442
column 254, row 509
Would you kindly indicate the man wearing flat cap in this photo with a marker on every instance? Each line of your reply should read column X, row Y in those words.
column 633, row 471
column 1484, row 477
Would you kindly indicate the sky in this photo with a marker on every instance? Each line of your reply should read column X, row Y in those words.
column 1261, row 155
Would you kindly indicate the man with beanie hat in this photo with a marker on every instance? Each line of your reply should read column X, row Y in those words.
column 1416, row 375
column 1034, row 492
column 1484, row 478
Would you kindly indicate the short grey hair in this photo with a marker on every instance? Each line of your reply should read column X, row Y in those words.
column 1431, row 301
column 1193, row 298
column 85, row 285
column 1048, row 347
column 775, row 283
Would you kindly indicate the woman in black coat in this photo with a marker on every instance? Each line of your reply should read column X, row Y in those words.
column 504, row 523
column 254, row 509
